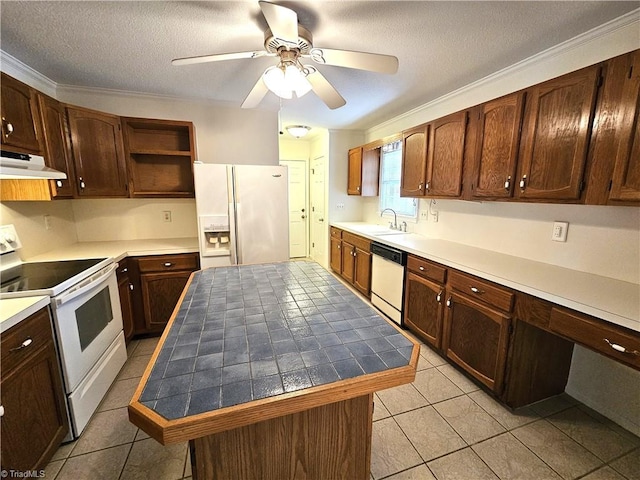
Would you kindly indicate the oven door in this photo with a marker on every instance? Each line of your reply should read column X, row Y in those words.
column 87, row 319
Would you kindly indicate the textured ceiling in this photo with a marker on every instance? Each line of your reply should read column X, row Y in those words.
column 441, row 46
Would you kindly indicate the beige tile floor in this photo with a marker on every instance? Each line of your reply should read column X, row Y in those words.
column 442, row 426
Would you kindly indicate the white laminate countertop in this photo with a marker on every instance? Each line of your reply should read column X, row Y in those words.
column 612, row 300
column 119, row 249
column 15, row 310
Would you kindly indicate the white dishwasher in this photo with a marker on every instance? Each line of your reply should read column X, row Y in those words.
column 387, row 280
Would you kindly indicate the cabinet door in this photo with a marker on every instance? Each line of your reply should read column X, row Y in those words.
column 348, row 261
column 20, row 116
column 558, row 117
column 497, row 147
column 160, row 295
column 98, row 154
column 445, row 157
column 56, row 143
column 354, row 186
column 362, row 271
column 336, row 255
column 125, row 289
column 626, row 175
column 476, row 338
column 414, row 161
column 423, row 308
column 34, row 422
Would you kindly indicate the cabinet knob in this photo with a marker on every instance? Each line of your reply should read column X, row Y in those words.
column 449, row 302
column 8, row 127
column 427, row 185
column 354, row 253
column 168, row 264
column 621, row 349
column 439, row 297
column 24, row 344
column 476, row 290
column 131, row 287
column 523, row 182
column 1, row 410
column 358, row 188
column 81, row 183
column 303, row 216
column 124, row 270
column 507, row 183
column 59, row 183
column 339, row 247
column 421, row 268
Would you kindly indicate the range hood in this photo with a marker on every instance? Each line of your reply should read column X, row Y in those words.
column 23, row 166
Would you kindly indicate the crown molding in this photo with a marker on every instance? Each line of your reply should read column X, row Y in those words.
column 23, row 72
column 630, row 21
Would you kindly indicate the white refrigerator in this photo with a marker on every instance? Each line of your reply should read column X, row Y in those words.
column 243, row 214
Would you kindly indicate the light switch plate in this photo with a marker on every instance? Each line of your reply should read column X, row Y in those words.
column 559, row 233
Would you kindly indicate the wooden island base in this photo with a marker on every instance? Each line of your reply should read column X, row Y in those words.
column 331, row 441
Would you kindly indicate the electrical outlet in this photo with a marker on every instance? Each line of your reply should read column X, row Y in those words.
column 340, row 206
column 47, row 222
column 424, row 215
column 166, row 216
column 435, row 216
column 559, row 233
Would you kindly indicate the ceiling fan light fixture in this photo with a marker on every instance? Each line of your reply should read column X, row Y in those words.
column 284, row 81
column 298, row 131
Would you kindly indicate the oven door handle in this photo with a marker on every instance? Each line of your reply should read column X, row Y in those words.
column 95, row 282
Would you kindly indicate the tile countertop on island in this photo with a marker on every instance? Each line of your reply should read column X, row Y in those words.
column 254, row 342
column 615, row 301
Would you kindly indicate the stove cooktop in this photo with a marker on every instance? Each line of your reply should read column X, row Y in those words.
column 43, row 276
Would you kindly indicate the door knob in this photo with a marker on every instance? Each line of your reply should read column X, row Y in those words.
column 321, row 219
column 303, row 216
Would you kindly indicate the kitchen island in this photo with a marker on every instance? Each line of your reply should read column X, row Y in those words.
column 269, row 372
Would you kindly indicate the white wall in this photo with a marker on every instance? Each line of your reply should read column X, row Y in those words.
column 601, row 240
column 342, row 207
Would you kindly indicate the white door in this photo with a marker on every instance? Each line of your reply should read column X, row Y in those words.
column 319, row 235
column 298, row 215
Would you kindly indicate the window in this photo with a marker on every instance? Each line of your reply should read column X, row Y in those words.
column 390, row 173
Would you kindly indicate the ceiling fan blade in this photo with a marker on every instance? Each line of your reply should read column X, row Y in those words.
column 325, row 90
column 282, row 21
column 256, row 94
column 218, row 57
column 373, row 62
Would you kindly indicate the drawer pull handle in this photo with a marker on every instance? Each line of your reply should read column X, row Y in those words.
column 621, row 349
column 168, row 264
column 24, row 344
column 476, row 290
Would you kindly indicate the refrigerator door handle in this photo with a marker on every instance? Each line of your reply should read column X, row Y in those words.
column 233, row 233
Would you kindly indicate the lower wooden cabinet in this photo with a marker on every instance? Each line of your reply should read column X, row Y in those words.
column 34, row 417
column 423, row 308
column 476, row 338
column 125, row 290
column 351, row 259
column 158, row 282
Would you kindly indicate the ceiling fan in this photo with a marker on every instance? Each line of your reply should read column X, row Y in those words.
column 292, row 43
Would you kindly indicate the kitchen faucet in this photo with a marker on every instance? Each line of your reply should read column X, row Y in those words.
column 394, row 225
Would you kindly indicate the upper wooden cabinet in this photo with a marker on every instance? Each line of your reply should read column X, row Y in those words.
column 496, row 151
column 57, row 151
column 21, row 130
column 414, row 161
column 625, row 184
column 98, row 153
column 160, row 156
column 555, row 136
column 364, row 171
column 445, row 156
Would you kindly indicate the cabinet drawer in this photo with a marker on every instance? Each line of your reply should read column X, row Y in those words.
column 36, row 328
column 164, row 263
column 427, row 269
column 336, row 232
column 357, row 241
column 598, row 335
column 482, row 290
